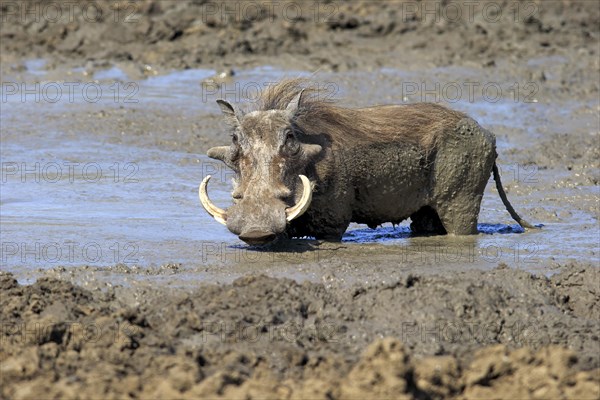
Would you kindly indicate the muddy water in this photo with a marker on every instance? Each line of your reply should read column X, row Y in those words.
column 81, row 199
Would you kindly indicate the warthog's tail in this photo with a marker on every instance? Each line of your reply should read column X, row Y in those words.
column 509, row 207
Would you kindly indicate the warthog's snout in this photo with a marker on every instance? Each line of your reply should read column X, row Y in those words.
column 258, row 221
column 257, row 237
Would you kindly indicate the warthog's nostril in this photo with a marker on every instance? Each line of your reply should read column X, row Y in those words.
column 257, row 237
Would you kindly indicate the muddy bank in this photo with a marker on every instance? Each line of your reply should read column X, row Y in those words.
column 331, row 35
column 504, row 333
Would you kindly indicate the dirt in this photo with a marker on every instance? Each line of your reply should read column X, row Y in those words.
column 380, row 315
column 331, row 35
column 495, row 334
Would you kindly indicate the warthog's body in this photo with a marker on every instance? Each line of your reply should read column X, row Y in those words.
column 370, row 165
column 395, row 180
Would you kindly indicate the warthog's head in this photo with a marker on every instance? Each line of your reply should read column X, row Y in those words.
column 269, row 160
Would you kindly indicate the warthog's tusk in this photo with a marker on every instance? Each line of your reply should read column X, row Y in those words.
column 214, row 211
column 299, row 209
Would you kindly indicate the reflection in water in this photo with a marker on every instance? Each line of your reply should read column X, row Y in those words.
column 386, row 233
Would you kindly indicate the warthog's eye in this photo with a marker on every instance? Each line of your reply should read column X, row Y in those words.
column 235, row 147
column 291, row 145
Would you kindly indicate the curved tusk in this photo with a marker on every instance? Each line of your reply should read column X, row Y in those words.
column 214, row 211
column 299, row 209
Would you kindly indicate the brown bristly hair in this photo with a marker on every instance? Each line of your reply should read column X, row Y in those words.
column 420, row 124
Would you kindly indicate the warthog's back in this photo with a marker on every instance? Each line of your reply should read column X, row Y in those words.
column 420, row 124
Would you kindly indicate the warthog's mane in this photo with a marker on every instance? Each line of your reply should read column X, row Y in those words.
column 420, row 124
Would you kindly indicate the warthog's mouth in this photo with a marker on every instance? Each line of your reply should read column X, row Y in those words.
column 257, row 237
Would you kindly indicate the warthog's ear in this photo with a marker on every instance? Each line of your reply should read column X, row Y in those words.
column 219, row 153
column 293, row 105
column 229, row 111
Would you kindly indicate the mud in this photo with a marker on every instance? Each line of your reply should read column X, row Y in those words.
column 180, row 309
column 499, row 333
column 337, row 36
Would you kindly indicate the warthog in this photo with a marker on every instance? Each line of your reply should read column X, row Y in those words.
column 307, row 167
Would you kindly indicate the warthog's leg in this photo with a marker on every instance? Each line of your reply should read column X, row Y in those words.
column 426, row 220
column 459, row 215
column 323, row 225
column 331, row 230
column 463, row 167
